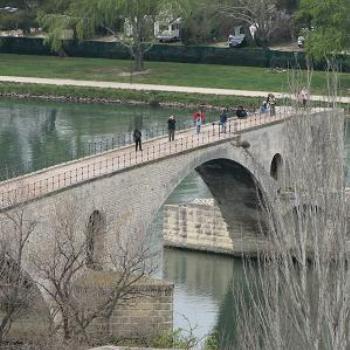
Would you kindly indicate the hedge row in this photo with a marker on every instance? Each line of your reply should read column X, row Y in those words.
column 257, row 57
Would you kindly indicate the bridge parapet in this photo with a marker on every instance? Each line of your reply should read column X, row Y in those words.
column 62, row 176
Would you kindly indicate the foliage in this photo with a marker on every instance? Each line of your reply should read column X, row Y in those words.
column 118, row 17
column 24, row 18
column 98, row 95
column 212, row 342
column 330, row 23
column 16, row 289
column 298, row 291
column 264, row 13
column 66, row 269
column 178, row 339
column 202, row 25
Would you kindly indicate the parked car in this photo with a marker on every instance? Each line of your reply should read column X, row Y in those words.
column 168, row 31
column 168, row 37
column 301, row 41
column 237, row 39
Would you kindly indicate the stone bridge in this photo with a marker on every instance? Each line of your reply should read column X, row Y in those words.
column 125, row 189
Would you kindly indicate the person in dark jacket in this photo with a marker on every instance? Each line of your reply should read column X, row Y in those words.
column 223, row 119
column 241, row 112
column 137, row 138
column 171, row 127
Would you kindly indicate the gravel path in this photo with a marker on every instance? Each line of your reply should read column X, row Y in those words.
column 153, row 87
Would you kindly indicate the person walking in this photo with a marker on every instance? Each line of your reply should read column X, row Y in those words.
column 171, row 127
column 201, row 114
column 198, row 123
column 271, row 102
column 137, row 138
column 304, row 96
column 223, row 119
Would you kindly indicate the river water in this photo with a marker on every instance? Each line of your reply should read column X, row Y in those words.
column 33, row 134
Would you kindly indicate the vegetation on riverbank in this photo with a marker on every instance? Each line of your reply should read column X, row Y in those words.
column 180, row 74
column 105, row 95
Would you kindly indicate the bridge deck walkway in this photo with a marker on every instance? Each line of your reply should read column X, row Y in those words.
column 58, row 177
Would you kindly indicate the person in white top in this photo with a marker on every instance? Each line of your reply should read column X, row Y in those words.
column 304, row 96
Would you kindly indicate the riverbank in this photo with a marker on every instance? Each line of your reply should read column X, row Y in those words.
column 88, row 95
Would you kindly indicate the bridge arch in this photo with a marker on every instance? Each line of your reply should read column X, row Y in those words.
column 95, row 232
column 131, row 198
column 276, row 166
column 237, row 193
column 139, row 194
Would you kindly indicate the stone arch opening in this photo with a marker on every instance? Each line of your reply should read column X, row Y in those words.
column 237, row 193
column 95, row 240
column 276, row 166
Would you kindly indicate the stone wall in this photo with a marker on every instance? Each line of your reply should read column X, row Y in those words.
column 197, row 225
column 145, row 310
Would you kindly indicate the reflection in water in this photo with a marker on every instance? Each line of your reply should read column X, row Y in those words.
column 200, row 281
column 34, row 135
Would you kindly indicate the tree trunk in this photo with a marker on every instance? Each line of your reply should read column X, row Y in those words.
column 139, row 53
column 65, row 321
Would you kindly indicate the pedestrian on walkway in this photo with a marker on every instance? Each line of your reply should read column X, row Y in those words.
column 264, row 108
column 271, row 102
column 223, row 119
column 171, row 127
column 198, row 123
column 304, row 96
column 137, row 138
column 200, row 113
column 241, row 112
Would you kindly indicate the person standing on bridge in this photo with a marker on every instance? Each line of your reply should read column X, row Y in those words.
column 241, row 112
column 198, row 123
column 271, row 102
column 137, row 138
column 304, row 96
column 171, row 127
column 223, row 119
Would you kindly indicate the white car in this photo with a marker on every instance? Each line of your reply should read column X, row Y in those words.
column 301, row 41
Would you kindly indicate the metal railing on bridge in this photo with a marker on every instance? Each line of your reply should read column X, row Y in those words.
column 103, row 144
column 64, row 175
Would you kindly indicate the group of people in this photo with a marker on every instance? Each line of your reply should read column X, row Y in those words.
column 268, row 106
column 137, row 134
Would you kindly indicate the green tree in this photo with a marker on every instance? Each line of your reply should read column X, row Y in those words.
column 87, row 17
column 330, row 22
column 25, row 16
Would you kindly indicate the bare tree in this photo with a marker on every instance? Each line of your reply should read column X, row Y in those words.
column 297, row 296
column 16, row 288
column 79, row 294
column 263, row 14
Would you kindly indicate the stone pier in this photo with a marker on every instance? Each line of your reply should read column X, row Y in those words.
column 199, row 225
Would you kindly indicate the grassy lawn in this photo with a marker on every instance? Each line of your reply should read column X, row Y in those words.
column 185, row 74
